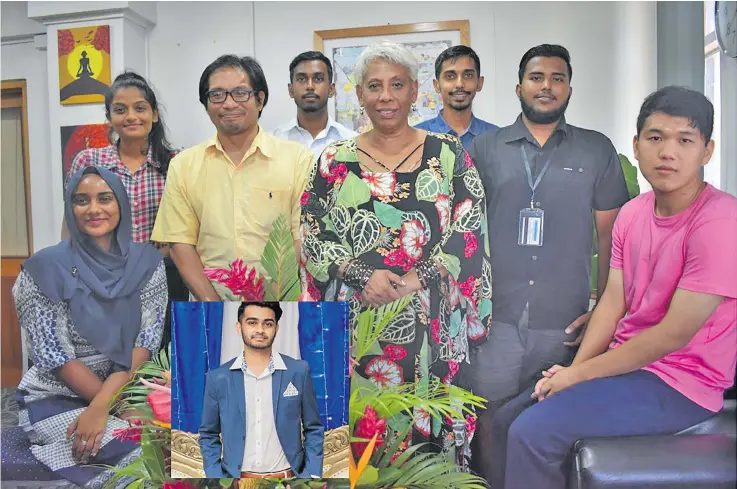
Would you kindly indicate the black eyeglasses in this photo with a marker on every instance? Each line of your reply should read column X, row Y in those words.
column 239, row 95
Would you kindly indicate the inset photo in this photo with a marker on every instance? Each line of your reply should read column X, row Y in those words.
column 260, row 390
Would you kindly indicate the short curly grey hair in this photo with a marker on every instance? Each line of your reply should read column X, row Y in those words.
column 388, row 51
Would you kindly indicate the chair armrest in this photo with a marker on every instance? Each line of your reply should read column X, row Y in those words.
column 648, row 462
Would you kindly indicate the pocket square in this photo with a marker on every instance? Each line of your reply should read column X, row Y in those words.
column 291, row 391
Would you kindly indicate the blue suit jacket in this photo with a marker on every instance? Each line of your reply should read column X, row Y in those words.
column 224, row 413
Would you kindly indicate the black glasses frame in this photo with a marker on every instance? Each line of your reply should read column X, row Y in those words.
column 216, row 100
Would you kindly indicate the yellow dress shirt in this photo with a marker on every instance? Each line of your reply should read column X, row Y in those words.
column 226, row 210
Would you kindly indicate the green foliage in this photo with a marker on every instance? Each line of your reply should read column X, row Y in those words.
column 279, row 261
column 372, row 322
column 413, row 469
column 133, row 395
column 633, row 188
column 152, row 466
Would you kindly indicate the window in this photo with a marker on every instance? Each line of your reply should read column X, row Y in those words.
column 712, row 90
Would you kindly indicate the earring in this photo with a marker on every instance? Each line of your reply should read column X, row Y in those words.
column 414, row 107
column 361, row 109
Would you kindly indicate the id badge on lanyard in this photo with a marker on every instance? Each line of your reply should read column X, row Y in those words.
column 531, row 219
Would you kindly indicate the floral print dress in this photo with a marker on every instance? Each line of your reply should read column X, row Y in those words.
column 391, row 220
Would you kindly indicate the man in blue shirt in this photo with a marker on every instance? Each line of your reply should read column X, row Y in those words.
column 457, row 80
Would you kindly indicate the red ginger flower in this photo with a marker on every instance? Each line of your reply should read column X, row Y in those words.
column 133, row 433
column 366, row 427
column 239, row 280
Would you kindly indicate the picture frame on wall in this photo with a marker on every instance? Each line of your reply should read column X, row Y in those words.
column 426, row 40
column 75, row 139
column 84, row 64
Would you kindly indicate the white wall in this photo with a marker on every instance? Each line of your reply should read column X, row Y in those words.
column 501, row 32
column 24, row 61
column 612, row 45
column 187, row 37
column 14, row 21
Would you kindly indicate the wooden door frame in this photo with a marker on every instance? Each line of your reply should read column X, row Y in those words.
column 14, row 87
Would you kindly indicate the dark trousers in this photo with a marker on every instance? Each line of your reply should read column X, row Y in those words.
column 178, row 291
column 538, row 442
column 510, row 361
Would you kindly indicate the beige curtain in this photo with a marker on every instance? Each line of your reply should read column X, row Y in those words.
column 14, row 222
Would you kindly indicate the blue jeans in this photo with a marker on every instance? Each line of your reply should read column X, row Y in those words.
column 540, row 439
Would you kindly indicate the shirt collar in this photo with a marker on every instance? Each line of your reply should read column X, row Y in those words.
column 262, row 142
column 149, row 157
column 519, row 130
column 294, row 124
column 475, row 128
column 275, row 363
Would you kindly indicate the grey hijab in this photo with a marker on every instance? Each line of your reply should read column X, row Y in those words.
column 102, row 288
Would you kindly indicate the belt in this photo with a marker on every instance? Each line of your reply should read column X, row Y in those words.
column 284, row 474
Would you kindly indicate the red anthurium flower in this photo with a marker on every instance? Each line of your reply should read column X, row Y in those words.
column 160, row 403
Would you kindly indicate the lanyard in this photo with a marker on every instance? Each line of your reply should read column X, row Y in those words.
column 534, row 185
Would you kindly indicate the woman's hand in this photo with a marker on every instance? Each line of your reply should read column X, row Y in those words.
column 382, row 288
column 88, row 430
column 411, row 283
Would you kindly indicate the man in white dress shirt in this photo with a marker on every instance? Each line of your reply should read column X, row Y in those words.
column 311, row 86
column 263, row 405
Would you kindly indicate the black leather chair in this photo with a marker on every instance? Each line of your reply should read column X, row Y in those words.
column 703, row 456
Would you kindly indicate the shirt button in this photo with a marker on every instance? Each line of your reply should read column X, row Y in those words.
column 537, row 204
column 534, row 257
column 532, row 282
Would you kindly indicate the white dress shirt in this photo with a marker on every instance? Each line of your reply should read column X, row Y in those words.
column 334, row 131
column 263, row 452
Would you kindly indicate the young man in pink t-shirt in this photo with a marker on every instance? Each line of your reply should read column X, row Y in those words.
column 661, row 346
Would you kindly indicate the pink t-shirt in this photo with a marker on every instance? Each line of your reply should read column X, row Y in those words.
column 694, row 250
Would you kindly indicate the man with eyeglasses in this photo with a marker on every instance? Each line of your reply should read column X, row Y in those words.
column 311, row 86
column 222, row 196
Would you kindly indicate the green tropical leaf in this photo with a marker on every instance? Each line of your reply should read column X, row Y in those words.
column 447, row 160
column 353, row 192
column 455, row 323
column 317, row 272
column 484, row 308
column 369, row 475
column 630, row 176
column 388, row 215
column 365, row 231
column 427, row 186
column 372, row 322
column 438, row 399
column 279, row 261
column 451, row 262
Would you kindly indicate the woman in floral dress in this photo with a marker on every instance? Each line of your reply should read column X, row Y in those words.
column 398, row 211
column 92, row 309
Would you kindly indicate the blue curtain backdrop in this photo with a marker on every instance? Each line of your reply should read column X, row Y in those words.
column 323, row 341
column 196, row 332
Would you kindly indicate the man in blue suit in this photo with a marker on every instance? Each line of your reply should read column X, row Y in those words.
column 262, row 404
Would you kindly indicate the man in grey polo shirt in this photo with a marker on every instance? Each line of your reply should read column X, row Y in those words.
column 547, row 183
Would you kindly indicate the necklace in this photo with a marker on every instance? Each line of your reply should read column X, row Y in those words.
column 400, row 163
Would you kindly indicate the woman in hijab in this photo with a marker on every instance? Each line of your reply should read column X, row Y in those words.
column 92, row 308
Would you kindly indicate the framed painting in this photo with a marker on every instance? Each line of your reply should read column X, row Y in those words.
column 425, row 40
column 75, row 139
column 84, row 64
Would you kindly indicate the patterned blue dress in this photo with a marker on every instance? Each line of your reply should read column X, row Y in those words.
column 47, row 405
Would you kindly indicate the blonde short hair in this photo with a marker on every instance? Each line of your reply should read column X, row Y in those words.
column 388, row 51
